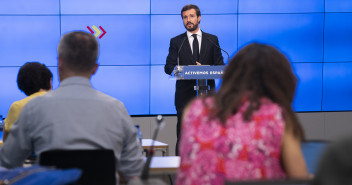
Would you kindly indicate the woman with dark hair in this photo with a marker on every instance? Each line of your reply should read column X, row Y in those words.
column 33, row 79
column 248, row 130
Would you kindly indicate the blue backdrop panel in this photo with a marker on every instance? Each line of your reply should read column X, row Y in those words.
column 55, row 80
column 338, row 37
column 28, row 38
column 10, row 92
column 281, row 6
column 338, row 6
column 129, row 84
column 206, row 7
column 223, row 26
column 127, row 38
column 136, row 44
column 309, row 88
column 299, row 36
column 162, row 92
column 163, row 28
column 105, row 7
column 337, row 87
column 23, row 7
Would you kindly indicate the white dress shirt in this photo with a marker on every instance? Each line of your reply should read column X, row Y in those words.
column 191, row 38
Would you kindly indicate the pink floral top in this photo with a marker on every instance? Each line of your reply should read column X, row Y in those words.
column 212, row 152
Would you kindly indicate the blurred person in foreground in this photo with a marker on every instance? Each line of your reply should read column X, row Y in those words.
column 248, row 130
column 335, row 165
column 33, row 79
column 75, row 115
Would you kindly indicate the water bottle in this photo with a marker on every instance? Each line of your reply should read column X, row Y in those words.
column 139, row 134
column 2, row 124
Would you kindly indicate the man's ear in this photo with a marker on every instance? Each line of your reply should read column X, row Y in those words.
column 199, row 17
column 59, row 64
column 94, row 70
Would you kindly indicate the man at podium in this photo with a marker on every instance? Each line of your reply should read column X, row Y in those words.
column 194, row 47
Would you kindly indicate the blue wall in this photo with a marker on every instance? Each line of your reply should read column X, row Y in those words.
column 315, row 35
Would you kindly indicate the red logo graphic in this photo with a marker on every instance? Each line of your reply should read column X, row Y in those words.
column 97, row 31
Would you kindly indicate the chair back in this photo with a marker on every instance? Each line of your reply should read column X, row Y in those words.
column 98, row 166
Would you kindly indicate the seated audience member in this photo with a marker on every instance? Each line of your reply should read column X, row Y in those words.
column 75, row 115
column 248, row 130
column 336, row 165
column 34, row 79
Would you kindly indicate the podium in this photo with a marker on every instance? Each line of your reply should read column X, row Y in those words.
column 201, row 73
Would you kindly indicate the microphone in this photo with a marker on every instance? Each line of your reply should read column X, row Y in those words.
column 145, row 173
column 228, row 56
column 178, row 52
column 178, row 57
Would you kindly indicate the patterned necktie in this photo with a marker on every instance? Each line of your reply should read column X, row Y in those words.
column 195, row 48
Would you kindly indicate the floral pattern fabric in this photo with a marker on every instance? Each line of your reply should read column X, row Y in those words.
column 212, row 152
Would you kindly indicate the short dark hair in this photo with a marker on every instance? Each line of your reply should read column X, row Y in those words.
column 32, row 77
column 191, row 6
column 79, row 51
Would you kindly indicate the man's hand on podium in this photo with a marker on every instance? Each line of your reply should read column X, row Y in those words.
column 198, row 64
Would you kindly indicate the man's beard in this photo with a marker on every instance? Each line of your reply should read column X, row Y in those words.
column 194, row 27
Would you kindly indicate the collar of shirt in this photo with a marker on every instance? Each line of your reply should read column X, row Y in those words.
column 76, row 80
column 39, row 93
column 191, row 38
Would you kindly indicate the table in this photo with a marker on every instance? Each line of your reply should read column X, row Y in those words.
column 164, row 165
column 158, row 146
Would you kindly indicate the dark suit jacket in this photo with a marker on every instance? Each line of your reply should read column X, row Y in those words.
column 209, row 55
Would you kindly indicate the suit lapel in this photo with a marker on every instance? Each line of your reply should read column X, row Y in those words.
column 204, row 48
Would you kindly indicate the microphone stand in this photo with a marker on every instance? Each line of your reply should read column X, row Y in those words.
column 228, row 56
column 144, row 180
column 178, row 56
column 145, row 172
